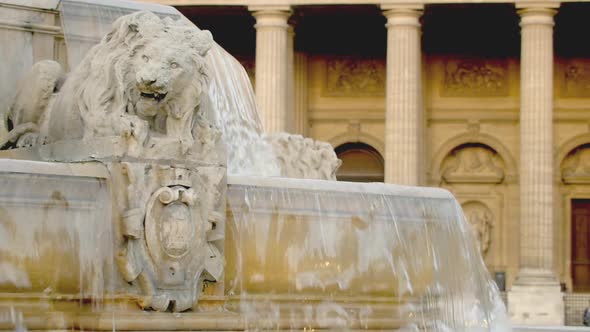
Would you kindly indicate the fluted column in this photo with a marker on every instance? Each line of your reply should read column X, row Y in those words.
column 272, row 65
column 403, row 108
column 535, row 298
column 300, row 91
column 290, row 112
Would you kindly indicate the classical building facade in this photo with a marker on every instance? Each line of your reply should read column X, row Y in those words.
column 488, row 100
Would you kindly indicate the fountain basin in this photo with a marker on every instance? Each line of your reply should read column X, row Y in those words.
column 298, row 254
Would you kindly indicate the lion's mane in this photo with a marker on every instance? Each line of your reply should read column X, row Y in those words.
column 99, row 95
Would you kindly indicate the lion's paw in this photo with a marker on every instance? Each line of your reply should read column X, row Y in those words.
column 27, row 140
column 131, row 126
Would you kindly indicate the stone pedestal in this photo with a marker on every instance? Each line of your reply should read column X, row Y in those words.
column 536, row 298
column 403, row 105
column 272, row 57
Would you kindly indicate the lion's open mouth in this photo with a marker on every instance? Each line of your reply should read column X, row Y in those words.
column 155, row 96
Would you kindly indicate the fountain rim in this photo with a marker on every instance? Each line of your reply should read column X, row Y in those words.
column 376, row 188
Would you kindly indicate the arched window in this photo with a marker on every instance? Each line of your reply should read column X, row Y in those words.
column 360, row 163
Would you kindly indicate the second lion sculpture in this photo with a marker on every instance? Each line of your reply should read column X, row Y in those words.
column 145, row 77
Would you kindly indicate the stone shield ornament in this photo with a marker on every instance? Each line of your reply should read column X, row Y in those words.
column 169, row 251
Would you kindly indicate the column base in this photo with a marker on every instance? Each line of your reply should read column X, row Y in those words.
column 536, row 299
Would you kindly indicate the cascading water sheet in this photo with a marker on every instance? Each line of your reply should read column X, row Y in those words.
column 317, row 254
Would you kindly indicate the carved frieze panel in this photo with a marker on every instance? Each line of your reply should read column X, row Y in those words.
column 481, row 221
column 473, row 164
column 475, row 77
column 576, row 79
column 347, row 76
column 576, row 166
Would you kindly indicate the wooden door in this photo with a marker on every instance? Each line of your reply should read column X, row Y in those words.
column 581, row 244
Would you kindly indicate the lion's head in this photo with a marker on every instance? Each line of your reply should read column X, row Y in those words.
column 164, row 72
column 145, row 69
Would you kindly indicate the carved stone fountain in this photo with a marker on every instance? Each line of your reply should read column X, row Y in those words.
column 117, row 213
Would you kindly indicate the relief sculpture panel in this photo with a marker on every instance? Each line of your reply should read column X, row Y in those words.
column 576, row 166
column 576, row 79
column 481, row 221
column 473, row 164
column 475, row 78
column 355, row 77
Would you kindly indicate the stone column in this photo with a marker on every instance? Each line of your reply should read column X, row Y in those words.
column 403, row 102
column 300, row 99
column 272, row 65
column 536, row 298
column 290, row 111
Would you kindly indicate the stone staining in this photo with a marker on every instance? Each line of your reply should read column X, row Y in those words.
column 481, row 221
column 475, row 78
column 355, row 77
column 576, row 80
column 477, row 164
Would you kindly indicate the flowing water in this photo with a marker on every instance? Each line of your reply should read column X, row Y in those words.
column 301, row 254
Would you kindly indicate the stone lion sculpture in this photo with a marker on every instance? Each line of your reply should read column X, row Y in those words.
column 302, row 157
column 145, row 81
column 146, row 76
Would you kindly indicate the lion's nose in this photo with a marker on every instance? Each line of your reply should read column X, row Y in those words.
column 148, row 81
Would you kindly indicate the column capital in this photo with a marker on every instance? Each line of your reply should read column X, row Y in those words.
column 537, row 13
column 402, row 14
column 269, row 8
column 271, row 16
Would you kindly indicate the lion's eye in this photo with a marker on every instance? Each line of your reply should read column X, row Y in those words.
column 174, row 65
column 145, row 58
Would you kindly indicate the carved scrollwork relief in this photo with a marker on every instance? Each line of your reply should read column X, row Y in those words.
column 473, row 164
column 481, row 221
column 355, row 77
column 576, row 79
column 475, row 78
column 169, row 230
column 575, row 167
